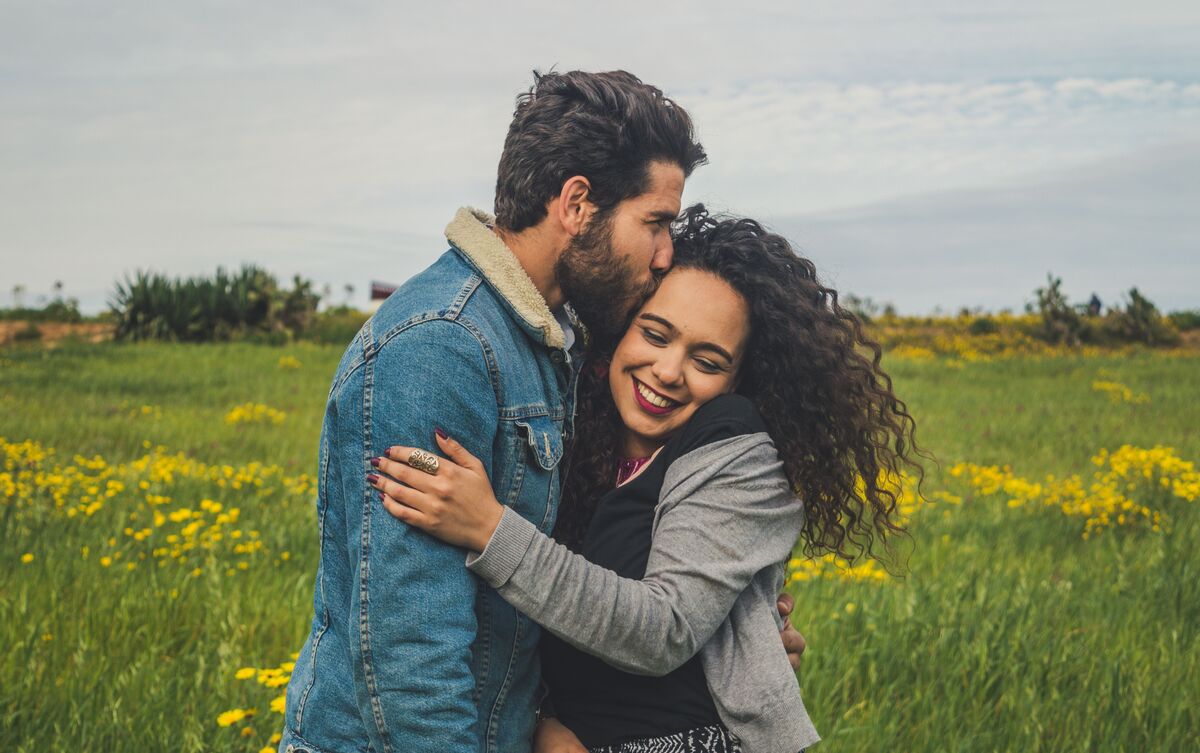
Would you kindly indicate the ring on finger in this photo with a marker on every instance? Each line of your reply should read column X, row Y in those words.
column 424, row 461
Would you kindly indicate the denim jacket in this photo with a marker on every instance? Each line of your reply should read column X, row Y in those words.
column 408, row 652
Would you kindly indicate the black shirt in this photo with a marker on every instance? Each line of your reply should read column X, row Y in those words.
column 603, row 705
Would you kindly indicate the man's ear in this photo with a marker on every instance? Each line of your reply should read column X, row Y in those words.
column 573, row 207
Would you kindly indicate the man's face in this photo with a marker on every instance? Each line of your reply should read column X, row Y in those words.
column 613, row 265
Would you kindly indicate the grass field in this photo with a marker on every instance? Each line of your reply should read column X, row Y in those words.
column 132, row 593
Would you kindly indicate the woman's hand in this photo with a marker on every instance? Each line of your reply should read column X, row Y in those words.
column 551, row 736
column 456, row 504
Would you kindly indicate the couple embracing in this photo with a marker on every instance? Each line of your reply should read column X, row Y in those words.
column 562, row 469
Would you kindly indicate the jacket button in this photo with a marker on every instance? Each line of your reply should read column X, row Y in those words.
column 291, row 749
column 556, row 356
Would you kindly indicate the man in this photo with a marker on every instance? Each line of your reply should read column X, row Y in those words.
column 407, row 651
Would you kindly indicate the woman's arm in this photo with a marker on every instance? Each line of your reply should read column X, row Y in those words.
column 726, row 511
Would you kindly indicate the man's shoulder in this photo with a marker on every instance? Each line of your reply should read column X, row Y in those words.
column 451, row 290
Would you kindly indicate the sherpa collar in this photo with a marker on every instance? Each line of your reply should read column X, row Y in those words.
column 469, row 232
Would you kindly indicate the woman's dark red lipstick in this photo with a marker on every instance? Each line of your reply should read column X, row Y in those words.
column 650, row 407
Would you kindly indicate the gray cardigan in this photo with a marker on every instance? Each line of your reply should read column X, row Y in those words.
column 724, row 527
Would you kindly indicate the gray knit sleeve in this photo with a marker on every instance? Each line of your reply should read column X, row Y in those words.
column 726, row 512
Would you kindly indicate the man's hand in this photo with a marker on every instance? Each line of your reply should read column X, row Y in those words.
column 793, row 642
column 551, row 736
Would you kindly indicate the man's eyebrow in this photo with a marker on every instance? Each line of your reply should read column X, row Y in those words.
column 664, row 214
column 700, row 346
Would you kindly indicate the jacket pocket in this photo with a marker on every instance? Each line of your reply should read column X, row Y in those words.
column 544, row 436
column 541, row 450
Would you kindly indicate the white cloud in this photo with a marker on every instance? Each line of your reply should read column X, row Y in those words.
column 315, row 138
column 828, row 145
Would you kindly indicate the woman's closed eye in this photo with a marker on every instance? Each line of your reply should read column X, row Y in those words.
column 708, row 366
column 654, row 338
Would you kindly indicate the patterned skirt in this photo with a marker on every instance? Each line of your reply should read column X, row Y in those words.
column 699, row 740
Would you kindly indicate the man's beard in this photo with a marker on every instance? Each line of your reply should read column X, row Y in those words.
column 598, row 284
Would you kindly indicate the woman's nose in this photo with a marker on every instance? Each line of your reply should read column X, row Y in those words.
column 667, row 370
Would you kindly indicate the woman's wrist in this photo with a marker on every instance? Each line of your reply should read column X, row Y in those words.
column 488, row 528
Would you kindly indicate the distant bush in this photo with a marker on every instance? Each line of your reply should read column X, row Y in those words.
column 983, row 325
column 58, row 310
column 247, row 304
column 1063, row 324
column 1139, row 322
column 1185, row 320
column 337, row 326
column 29, row 333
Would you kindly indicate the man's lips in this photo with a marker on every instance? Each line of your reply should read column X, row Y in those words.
column 646, row 405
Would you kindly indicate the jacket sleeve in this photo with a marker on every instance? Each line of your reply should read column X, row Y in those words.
column 726, row 513
column 413, row 613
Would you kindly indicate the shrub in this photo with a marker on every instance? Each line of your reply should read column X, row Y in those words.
column 1185, row 320
column 337, row 326
column 58, row 310
column 29, row 333
column 983, row 325
column 1061, row 323
column 1139, row 322
column 244, row 304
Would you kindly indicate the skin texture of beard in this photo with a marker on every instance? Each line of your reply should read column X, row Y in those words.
column 599, row 286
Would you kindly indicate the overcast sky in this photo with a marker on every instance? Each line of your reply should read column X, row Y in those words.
column 928, row 154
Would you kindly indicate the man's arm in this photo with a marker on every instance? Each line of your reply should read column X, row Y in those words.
column 414, row 616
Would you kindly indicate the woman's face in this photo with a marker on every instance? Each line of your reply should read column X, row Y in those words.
column 683, row 349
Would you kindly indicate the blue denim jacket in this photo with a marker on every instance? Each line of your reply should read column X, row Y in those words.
column 408, row 652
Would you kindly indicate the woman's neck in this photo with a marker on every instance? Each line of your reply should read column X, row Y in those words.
column 635, row 446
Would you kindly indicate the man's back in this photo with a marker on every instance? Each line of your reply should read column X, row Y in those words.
column 407, row 651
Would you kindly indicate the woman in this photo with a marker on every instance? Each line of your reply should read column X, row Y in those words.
column 681, row 510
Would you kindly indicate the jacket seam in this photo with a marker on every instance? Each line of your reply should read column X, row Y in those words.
column 324, row 510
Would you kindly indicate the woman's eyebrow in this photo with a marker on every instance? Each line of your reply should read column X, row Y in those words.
column 659, row 319
column 716, row 349
column 705, row 346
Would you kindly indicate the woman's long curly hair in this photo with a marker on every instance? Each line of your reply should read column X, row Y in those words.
column 840, row 430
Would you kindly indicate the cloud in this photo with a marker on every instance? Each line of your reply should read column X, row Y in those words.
column 835, row 145
column 1103, row 228
column 185, row 135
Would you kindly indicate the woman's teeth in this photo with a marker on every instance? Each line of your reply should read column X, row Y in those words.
column 652, row 398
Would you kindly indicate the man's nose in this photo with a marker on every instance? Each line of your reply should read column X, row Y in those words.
column 664, row 254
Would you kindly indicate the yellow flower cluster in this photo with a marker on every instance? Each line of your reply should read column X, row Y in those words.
column 835, row 568
column 254, row 413
column 270, row 677
column 154, row 412
column 908, row 504
column 149, row 525
column 1119, row 393
column 1132, row 488
column 289, row 363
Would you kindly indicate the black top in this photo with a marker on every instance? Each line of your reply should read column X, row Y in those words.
column 603, row 705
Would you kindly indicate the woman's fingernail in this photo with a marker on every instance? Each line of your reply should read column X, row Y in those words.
column 375, row 462
column 440, row 433
column 373, row 478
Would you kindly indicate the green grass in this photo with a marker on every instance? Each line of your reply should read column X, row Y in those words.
column 1009, row 632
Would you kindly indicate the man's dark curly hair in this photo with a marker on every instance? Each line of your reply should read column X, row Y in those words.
column 607, row 127
column 829, row 407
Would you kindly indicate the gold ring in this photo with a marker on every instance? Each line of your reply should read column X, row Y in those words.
column 424, row 461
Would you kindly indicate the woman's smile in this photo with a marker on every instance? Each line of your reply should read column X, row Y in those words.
column 650, row 401
column 687, row 338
